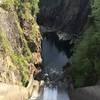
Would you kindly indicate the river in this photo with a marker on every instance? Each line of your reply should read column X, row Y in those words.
column 53, row 59
column 53, row 62
column 53, row 93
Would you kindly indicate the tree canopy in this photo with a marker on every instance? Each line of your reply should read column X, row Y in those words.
column 86, row 57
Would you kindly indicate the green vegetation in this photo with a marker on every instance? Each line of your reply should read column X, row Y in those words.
column 20, row 61
column 4, row 42
column 25, row 10
column 8, row 4
column 86, row 57
column 31, row 4
column 28, row 11
column 34, row 6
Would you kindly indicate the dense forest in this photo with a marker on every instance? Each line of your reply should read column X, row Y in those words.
column 86, row 56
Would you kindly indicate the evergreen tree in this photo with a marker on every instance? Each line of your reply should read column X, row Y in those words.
column 86, row 57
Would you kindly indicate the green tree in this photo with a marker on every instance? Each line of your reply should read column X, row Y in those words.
column 86, row 57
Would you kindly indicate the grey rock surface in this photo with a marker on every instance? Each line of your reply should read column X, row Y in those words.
column 87, row 93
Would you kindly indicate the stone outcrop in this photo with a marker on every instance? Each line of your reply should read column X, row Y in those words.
column 87, row 93
column 18, row 92
column 15, row 92
column 37, row 58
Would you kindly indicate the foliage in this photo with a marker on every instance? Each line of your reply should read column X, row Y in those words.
column 86, row 57
column 96, row 12
column 8, row 4
column 31, row 7
column 21, row 62
column 4, row 42
column 34, row 6
column 26, row 10
column 26, row 57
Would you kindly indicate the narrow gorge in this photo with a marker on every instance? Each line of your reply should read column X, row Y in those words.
column 49, row 50
column 61, row 24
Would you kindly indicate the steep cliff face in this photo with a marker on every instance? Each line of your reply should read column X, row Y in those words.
column 63, row 21
column 19, row 40
column 67, row 16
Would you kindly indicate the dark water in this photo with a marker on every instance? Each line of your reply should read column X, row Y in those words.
column 53, row 59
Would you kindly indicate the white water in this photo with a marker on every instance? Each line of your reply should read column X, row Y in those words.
column 54, row 93
column 50, row 93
